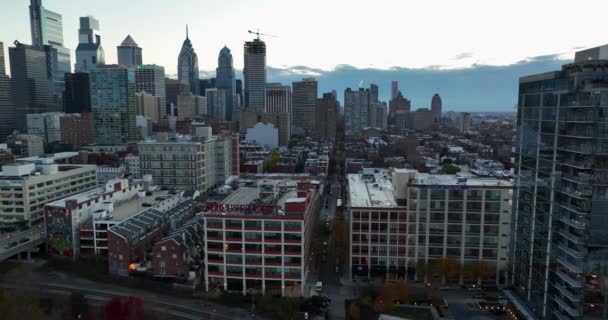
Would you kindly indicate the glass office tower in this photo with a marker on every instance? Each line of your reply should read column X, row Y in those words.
column 559, row 243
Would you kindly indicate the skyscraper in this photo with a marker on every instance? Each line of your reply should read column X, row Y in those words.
column 278, row 109
column 151, row 79
column 304, row 103
column 47, row 35
column 254, row 74
column 174, row 88
column 356, row 109
column 226, row 81
column 558, row 240
column 327, row 111
column 113, row 104
column 32, row 91
column 7, row 111
column 187, row 65
column 129, row 53
column 89, row 52
column 373, row 93
column 217, row 103
column 394, row 89
column 436, row 107
column 397, row 105
column 77, row 93
column 464, row 122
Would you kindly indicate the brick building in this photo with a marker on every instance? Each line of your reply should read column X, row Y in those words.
column 76, row 129
column 180, row 254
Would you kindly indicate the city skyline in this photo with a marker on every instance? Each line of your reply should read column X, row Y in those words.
column 436, row 52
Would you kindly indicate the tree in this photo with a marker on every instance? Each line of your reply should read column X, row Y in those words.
column 340, row 236
column 393, row 291
column 422, row 270
column 17, row 308
column 479, row 271
column 450, row 169
column 354, row 312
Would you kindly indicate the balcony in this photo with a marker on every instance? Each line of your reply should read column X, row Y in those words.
column 580, row 193
column 561, row 316
column 567, row 307
column 578, row 164
column 572, row 252
column 571, row 296
column 571, row 281
column 575, row 223
column 570, row 236
column 566, row 263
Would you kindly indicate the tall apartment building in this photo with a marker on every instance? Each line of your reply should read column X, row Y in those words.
column 113, row 104
column 151, row 79
column 254, row 75
column 405, row 223
column 356, row 108
column 76, row 129
column 148, row 106
column 199, row 165
column 373, row 93
column 7, row 111
column 377, row 115
column 559, row 247
column 26, row 145
column 32, row 91
column 174, row 88
column 227, row 81
column 217, row 103
column 77, row 93
column 47, row 35
column 258, row 238
column 394, row 89
column 187, row 65
column 28, row 186
column 436, row 107
column 190, row 106
column 464, row 122
column 278, row 110
column 129, row 53
column 304, row 103
column 45, row 125
column 327, row 113
column 89, row 51
column 397, row 105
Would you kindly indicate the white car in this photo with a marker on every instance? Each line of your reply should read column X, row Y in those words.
column 319, row 286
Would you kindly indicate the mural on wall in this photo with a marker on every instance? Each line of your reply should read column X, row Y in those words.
column 59, row 231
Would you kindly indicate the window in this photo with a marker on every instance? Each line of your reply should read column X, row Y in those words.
column 163, row 248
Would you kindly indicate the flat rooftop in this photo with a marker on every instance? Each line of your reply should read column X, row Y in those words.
column 453, row 180
column 376, row 192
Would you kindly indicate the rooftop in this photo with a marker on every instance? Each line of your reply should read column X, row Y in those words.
column 371, row 191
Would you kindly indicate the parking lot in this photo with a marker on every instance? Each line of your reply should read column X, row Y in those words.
column 465, row 305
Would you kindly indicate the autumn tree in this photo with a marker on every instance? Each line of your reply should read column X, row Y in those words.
column 340, row 236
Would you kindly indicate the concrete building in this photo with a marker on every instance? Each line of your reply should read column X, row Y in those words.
column 258, row 238
column 129, row 53
column 133, row 166
column 113, row 105
column 76, row 129
column 174, row 88
column 45, row 125
column 217, row 103
column 7, row 111
column 265, row 134
column 89, row 52
column 31, row 87
column 148, row 106
column 47, row 35
column 373, row 93
column 559, row 247
column 304, row 105
column 190, row 106
column 227, row 82
column 464, row 122
column 278, row 110
column 28, row 186
column 377, row 115
column 150, row 78
column 397, row 105
column 421, row 119
column 254, row 75
column 327, row 113
column 356, row 109
column 26, row 145
column 200, row 165
column 405, row 223
column 436, row 107
column 77, row 93
column 106, row 173
column 187, row 65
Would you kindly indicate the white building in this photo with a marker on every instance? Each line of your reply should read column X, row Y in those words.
column 107, row 173
column 132, row 165
column 464, row 122
column 26, row 187
column 406, row 224
column 278, row 109
column 265, row 134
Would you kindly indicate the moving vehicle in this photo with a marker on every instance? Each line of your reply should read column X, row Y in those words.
column 319, row 286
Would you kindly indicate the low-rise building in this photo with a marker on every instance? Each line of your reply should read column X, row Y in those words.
column 409, row 224
column 26, row 187
column 258, row 238
column 180, row 254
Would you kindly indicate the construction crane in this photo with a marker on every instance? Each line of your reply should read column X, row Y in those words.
column 257, row 33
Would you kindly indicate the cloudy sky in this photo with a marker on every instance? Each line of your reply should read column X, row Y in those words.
column 430, row 46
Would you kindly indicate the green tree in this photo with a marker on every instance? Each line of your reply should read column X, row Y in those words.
column 450, row 169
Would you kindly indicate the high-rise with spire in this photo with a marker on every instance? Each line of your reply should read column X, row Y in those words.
column 225, row 80
column 129, row 53
column 47, row 35
column 187, row 65
column 254, row 74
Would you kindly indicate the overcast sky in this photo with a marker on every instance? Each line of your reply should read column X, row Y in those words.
column 321, row 35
